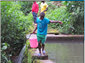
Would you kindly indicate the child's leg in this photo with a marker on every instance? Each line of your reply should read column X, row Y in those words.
column 34, row 17
column 39, row 43
column 39, row 47
column 43, row 46
column 43, row 50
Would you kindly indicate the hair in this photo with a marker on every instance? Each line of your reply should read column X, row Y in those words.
column 42, row 15
column 34, row 1
column 43, row 1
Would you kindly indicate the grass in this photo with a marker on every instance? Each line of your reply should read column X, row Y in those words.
column 52, row 30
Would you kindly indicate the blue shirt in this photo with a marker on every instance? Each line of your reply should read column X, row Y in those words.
column 42, row 26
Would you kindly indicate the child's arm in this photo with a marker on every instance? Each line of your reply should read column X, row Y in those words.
column 46, row 9
column 51, row 21
column 35, row 29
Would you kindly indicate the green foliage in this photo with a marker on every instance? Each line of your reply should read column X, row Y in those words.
column 77, row 12
column 4, row 46
column 27, row 45
column 25, row 6
column 51, row 6
column 59, row 14
column 71, row 14
column 76, row 9
column 14, row 26
column 5, row 58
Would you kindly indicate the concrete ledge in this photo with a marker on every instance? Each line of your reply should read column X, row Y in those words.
column 61, row 37
column 46, row 61
column 43, row 61
column 71, row 38
column 53, row 35
column 35, row 55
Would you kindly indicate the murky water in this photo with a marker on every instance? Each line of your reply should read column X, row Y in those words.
column 65, row 52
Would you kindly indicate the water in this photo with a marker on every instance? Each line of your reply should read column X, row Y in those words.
column 65, row 52
column 21, row 55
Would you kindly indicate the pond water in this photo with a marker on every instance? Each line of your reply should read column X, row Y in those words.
column 65, row 52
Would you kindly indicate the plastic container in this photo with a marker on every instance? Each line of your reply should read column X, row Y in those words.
column 33, row 43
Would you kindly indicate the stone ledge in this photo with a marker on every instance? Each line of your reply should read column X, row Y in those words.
column 52, row 35
column 43, row 61
column 59, row 36
column 35, row 55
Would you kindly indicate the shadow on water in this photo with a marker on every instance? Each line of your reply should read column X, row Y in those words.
column 65, row 50
column 65, row 40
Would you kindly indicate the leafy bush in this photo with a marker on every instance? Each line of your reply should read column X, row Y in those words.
column 77, row 12
column 59, row 14
column 14, row 26
column 71, row 14
column 5, row 58
column 26, row 7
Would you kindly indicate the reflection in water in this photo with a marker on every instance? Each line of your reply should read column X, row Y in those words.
column 65, row 52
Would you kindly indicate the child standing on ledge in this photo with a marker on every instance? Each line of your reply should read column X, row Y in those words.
column 42, row 26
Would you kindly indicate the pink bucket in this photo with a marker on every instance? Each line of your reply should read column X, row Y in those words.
column 33, row 43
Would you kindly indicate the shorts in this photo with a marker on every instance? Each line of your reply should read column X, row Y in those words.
column 34, row 16
column 41, row 38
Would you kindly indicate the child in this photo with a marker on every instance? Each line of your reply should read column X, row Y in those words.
column 42, row 27
column 44, row 7
column 35, row 9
